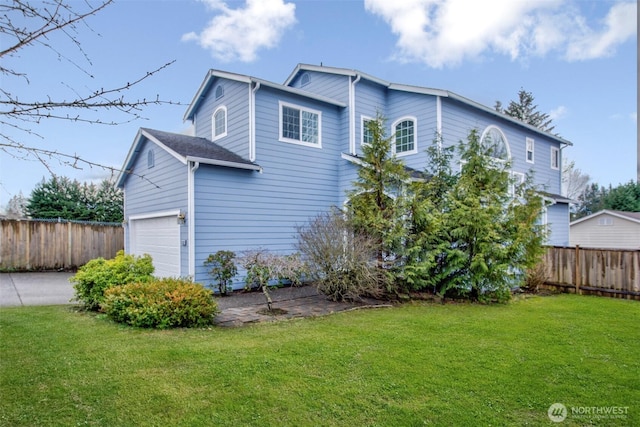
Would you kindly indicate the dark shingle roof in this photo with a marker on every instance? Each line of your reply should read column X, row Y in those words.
column 192, row 146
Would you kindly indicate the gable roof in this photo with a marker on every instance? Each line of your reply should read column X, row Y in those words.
column 212, row 75
column 185, row 148
column 630, row 216
column 422, row 90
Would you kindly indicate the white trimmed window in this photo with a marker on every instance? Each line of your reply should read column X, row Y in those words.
column 495, row 142
column 219, row 123
column 405, row 136
column 367, row 135
column 530, row 146
column 517, row 179
column 300, row 125
column 555, row 158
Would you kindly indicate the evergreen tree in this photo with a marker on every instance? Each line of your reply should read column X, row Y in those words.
column 17, row 207
column 624, row 197
column 427, row 237
column 492, row 232
column 525, row 110
column 377, row 204
column 63, row 198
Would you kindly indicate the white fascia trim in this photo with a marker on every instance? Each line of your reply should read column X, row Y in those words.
column 159, row 214
column 352, row 159
column 204, row 86
column 135, row 149
column 225, row 163
column 605, row 212
column 124, row 171
column 164, row 147
column 301, row 93
column 417, row 89
column 486, row 109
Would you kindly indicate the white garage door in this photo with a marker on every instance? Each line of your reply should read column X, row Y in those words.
column 160, row 238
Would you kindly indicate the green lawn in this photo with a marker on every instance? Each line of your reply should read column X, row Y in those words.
column 414, row 365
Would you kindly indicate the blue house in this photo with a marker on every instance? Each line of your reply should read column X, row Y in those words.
column 266, row 157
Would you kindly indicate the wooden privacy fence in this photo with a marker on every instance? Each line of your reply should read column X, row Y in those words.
column 611, row 272
column 48, row 245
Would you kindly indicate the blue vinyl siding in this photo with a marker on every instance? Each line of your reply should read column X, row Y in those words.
column 458, row 120
column 242, row 210
column 157, row 189
column 558, row 219
column 330, row 85
column 236, row 99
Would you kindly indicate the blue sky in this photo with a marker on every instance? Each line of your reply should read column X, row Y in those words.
column 578, row 58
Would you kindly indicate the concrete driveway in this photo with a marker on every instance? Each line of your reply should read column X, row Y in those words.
column 48, row 288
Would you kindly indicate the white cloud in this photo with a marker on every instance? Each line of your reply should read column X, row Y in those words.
column 237, row 34
column 558, row 113
column 446, row 32
column 620, row 24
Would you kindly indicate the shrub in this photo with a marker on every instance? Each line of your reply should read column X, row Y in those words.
column 161, row 304
column 222, row 269
column 535, row 277
column 340, row 260
column 99, row 274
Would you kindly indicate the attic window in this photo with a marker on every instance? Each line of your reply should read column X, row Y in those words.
column 305, row 79
column 605, row 221
column 151, row 158
column 494, row 141
column 219, row 91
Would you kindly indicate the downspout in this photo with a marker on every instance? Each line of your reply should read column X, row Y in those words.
column 439, row 120
column 191, row 222
column 252, row 121
column 352, row 114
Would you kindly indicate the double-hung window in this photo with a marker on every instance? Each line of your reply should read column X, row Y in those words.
column 367, row 135
column 530, row 145
column 300, row 125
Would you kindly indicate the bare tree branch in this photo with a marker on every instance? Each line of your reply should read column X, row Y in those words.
column 25, row 24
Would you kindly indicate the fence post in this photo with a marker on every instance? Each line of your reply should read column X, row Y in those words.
column 69, row 245
column 576, row 275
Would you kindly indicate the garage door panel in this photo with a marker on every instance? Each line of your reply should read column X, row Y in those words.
column 160, row 238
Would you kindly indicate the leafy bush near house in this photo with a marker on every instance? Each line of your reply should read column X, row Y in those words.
column 99, row 274
column 222, row 269
column 161, row 304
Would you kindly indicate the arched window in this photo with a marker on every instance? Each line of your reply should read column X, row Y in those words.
column 219, row 91
column 305, row 79
column 219, row 123
column 405, row 136
column 494, row 141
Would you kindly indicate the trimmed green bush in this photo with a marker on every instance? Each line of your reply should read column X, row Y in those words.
column 161, row 304
column 99, row 274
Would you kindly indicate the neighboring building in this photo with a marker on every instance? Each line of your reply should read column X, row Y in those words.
column 607, row 229
column 267, row 157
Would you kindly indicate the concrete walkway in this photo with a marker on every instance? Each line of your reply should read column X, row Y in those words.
column 49, row 288
column 53, row 288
